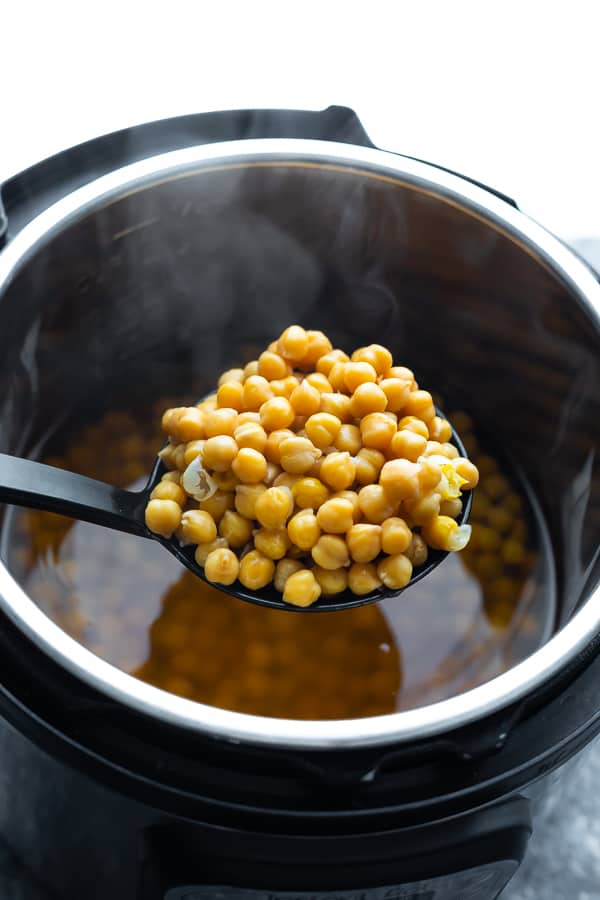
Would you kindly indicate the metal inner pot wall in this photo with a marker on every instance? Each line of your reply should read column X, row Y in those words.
column 183, row 276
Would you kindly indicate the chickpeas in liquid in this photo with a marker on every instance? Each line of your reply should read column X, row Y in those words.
column 478, row 614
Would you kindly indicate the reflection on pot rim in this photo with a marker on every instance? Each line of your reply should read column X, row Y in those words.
column 419, row 723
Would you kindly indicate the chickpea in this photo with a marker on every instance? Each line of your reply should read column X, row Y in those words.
column 429, row 475
column 367, row 398
column 326, row 363
column 219, row 452
column 274, row 507
column 318, row 381
column 191, row 425
column 318, row 345
column 272, row 366
column 364, row 542
column 286, row 479
column 220, row 421
column 399, row 477
column 337, row 377
column 440, row 429
column 301, row 589
column 193, row 449
column 274, row 440
column 331, row 581
column 225, row 481
column 338, row 405
column 422, row 509
column 467, row 470
column 309, row 493
column 163, row 517
column 250, row 434
column 245, row 417
column 338, row 470
column 256, row 570
column 235, row 528
column 379, row 357
column 352, row 496
column 376, row 504
column 198, row 527
column 231, row 375
column 322, row 429
column 169, row 490
column 303, row 529
column 284, row 387
column 250, row 369
column 305, row 399
column 395, row 571
column 451, row 508
column 276, row 413
column 246, row 497
column 444, row 533
column 348, row 439
column 420, row 404
column 231, row 395
column 249, row 466
column 396, row 393
column 396, row 536
column 203, row 550
column 330, row 551
column 272, row 472
column 218, row 504
column 417, row 551
column 273, row 544
column 377, row 430
column 363, row 578
column 256, row 392
column 412, row 423
column 335, row 516
column 293, row 344
column 221, row 566
column 368, row 463
column 298, row 454
column 284, row 568
column 406, row 444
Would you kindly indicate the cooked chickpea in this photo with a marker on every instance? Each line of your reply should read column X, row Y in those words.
column 451, row 508
column 284, row 387
column 337, row 377
column 169, row 490
column 322, row 429
column 231, row 395
column 377, row 430
column 412, row 423
column 198, row 527
column 363, row 578
column 422, row 509
column 225, row 481
column 335, row 516
column 272, row 366
column 376, row 504
column 249, row 465
column 284, row 568
column 337, row 405
column 368, row 463
column 396, row 536
column 250, row 434
column 202, row 551
column 367, row 398
column 396, row 393
column 440, row 429
column 303, row 529
column 293, row 344
column 286, row 479
column 219, row 452
column 429, row 475
column 420, row 404
column 218, row 504
column 417, row 551
column 318, row 345
column 192, row 450
column 331, row 581
column 246, row 497
column 400, row 478
column 395, row 571
column 191, row 425
column 163, row 517
column 231, row 375
column 467, row 470
column 326, row 363
column 338, row 470
column 356, row 373
column 221, row 566
column 235, row 528
column 276, row 413
column 179, row 457
column 256, row 570
column 298, row 455
column 273, row 445
column 348, row 439
column 250, row 369
column 220, row 421
column 352, row 496
column 444, row 533
column 305, row 399
column 274, row 507
column 273, row 544
column 379, row 357
column 406, row 444
column 318, row 381
column 245, row 417
column 330, row 551
column 301, row 589
column 256, row 392
column 309, row 493
column 273, row 471
column 364, row 542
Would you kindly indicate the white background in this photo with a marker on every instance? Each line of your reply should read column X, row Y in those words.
column 506, row 92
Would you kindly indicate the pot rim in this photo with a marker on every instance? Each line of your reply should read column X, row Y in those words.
column 236, row 727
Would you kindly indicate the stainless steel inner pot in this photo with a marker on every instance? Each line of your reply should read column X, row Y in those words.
column 167, row 271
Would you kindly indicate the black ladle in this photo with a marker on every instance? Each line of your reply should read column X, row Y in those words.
column 38, row 486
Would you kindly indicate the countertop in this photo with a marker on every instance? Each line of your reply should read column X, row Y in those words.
column 494, row 91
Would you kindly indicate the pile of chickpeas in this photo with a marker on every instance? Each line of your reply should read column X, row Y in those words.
column 313, row 470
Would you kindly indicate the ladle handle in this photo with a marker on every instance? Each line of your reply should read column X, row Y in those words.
column 37, row 486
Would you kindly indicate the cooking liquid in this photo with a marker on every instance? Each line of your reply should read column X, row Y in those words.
column 128, row 601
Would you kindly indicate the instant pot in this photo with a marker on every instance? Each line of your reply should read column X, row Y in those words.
column 146, row 258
